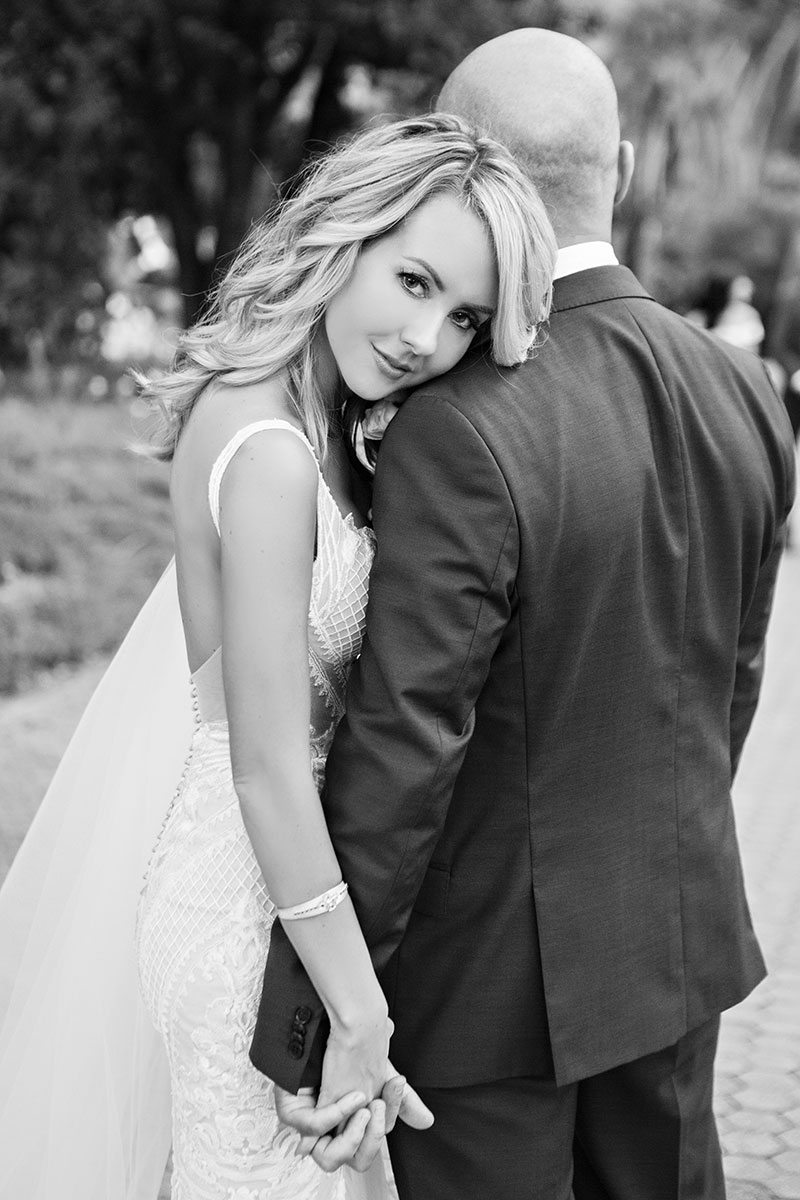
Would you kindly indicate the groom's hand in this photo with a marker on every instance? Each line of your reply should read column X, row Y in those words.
column 348, row 1130
column 402, row 1101
column 303, row 1113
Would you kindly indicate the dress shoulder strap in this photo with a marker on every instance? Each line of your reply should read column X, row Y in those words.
column 227, row 453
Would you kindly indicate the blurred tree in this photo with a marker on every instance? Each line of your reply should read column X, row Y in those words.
column 673, row 65
column 195, row 109
column 200, row 110
column 769, row 110
column 52, row 115
column 710, row 94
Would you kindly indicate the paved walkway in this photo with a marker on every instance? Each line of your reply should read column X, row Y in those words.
column 758, row 1068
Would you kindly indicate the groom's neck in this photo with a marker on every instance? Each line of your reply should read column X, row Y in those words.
column 582, row 238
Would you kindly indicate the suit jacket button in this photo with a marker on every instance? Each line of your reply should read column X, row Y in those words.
column 296, row 1049
column 303, row 1014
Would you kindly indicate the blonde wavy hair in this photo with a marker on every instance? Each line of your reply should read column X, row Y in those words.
column 265, row 311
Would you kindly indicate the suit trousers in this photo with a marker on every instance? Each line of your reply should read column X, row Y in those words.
column 641, row 1131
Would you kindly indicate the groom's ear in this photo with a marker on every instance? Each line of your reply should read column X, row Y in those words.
column 624, row 171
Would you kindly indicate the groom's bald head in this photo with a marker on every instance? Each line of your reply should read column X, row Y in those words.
column 554, row 104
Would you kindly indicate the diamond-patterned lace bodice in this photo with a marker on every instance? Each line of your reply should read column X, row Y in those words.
column 205, row 916
column 339, row 588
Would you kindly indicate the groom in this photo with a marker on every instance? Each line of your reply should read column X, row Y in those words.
column 530, row 793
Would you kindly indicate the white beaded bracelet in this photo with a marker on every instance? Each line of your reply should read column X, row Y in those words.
column 327, row 902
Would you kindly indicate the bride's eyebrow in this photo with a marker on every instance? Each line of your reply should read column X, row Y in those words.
column 478, row 308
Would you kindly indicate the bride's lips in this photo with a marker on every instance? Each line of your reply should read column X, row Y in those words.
column 393, row 368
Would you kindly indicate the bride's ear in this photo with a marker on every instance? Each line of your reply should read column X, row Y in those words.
column 625, row 161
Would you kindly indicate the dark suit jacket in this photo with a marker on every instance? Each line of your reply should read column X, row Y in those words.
column 530, row 793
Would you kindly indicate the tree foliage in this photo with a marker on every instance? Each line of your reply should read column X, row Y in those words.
column 197, row 110
column 711, row 99
column 53, row 114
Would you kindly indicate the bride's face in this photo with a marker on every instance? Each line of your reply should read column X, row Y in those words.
column 414, row 301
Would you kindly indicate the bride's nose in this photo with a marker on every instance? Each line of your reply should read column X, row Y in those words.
column 422, row 334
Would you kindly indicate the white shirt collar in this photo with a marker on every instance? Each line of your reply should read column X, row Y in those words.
column 582, row 256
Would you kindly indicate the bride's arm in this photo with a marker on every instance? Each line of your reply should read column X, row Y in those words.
column 267, row 530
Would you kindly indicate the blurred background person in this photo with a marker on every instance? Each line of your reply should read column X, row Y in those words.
column 726, row 308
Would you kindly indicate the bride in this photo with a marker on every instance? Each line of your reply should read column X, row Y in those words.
column 194, row 776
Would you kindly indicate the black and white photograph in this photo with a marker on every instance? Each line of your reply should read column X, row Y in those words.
column 399, row 579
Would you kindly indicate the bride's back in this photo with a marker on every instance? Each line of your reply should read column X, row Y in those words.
column 220, row 412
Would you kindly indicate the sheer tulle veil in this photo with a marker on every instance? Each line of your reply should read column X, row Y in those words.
column 84, row 1086
column 84, row 1082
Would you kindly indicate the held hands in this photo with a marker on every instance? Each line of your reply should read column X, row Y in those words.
column 360, row 1094
column 348, row 1121
column 349, row 1130
column 335, row 1133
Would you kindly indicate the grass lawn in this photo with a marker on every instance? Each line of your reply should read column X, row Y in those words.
column 84, row 533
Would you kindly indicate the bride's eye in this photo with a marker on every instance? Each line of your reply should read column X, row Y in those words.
column 464, row 319
column 414, row 283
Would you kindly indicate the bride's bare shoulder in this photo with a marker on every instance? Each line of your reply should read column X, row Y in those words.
column 225, row 408
column 220, row 413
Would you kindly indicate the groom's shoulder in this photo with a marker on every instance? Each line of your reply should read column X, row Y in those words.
column 476, row 377
column 611, row 310
column 603, row 323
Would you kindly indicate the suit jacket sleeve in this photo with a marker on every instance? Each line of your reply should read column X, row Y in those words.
column 753, row 632
column 750, row 656
column 441, row 593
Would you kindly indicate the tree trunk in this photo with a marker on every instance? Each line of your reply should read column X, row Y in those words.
column 39, row 374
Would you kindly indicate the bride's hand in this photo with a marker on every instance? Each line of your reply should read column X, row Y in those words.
column 357, row 1056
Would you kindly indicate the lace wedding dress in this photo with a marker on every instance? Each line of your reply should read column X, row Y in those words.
column 205, row 917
